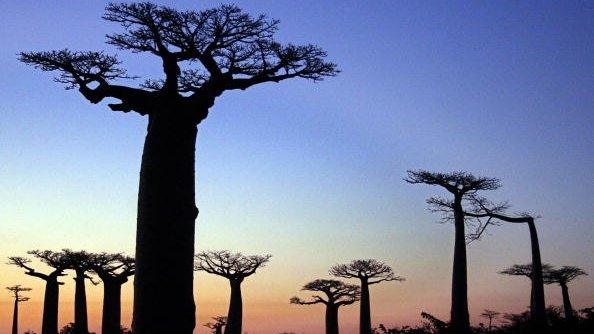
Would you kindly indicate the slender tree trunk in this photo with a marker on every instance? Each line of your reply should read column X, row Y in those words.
column 165, row 228
column 81, row 325
column 235, row 314
column 567, row 303
column 15, row 316
column 331, row 319
column 537, row 303
column 459, row 317
column 365, row 308
column 49, row 324
column 111, row 319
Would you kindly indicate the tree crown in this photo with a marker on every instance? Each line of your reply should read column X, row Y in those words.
column 16, row 290
column 524, row 270
column 337, row 293
column 233, row 266
column 368, row 269
column 563, row 275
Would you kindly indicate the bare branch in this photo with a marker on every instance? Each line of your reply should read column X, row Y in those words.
column 229, row 265
column 366, row 270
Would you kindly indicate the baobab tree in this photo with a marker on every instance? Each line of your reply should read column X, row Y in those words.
column 563, row 276
column 113, row 270
column 217, row 325
column 56, row 261
column 15, row 291
column 368, row 272
column 489, row 314
column 461, row 185
column 203, row 54
column 337, row 294
column 79, row 261
column 235, row 267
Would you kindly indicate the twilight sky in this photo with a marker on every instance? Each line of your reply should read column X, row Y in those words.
column 312, row 173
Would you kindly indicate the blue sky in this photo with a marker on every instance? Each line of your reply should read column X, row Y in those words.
column 312, row 173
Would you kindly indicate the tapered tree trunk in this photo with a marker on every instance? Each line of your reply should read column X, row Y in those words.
column 365, row 309
column 235, row 314
column 165, row 228
column 81, row 324
column 459, row 317
column 331, row 319
column 49, row 323
column 15, row 317
column 537, row 300
column 567, row 303
column 111, row 318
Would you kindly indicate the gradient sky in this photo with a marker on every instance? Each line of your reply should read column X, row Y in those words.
column 312, row 173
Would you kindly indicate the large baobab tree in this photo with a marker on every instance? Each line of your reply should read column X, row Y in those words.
column 368, row 272
column 235, row 267
column 203, row 54
column 217, row 325
column 56, row 261
column 563, row 276
column 15, row 291
column 113, row 270
column 337, row 294
column 79, row 262
column 489, row 314
column 461, row 185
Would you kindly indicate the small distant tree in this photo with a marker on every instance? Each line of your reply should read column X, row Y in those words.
column 113, row 270
column 563, row 276
column 462, row 186
column 235, row 267
column 489, row 314
column 79, row 261
column 527, row 271
column 217, row 325
column 54, row 260
column 15, row 291
column 336, row 293
column 368, row 272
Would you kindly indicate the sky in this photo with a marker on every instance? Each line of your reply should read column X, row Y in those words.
column 312, row 173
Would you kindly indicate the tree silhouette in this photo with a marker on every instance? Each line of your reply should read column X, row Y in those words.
column 203, row 54
column 16, row 290
column 113, row 270
column 461, row 185
column 490, row 315
column 235, row 267
column 217, row 325
column 337, row 294
column 368, row 272
column 55, row 260
column 563, row 276
column 79, row 261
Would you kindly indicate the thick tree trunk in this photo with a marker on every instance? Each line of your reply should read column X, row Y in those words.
column 81, row 325
column 331, row 319
column 49, row 324
column 365, row 309
column 235, row 314
column 165, row 228
column 15, row 317
column 537, row 301
column 459, row 317
column 111, row 318
column 567, row 303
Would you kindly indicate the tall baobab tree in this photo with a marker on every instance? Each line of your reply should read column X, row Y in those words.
column 337, row 294
column 489, row 314
column 368, row 272
column 563, row 276
column 203, row 54
column 461, row 185
column 79, row 262
column 217, row 325
column 56, row 261
column 113, row 270
column 16, row 290
column 235, row 267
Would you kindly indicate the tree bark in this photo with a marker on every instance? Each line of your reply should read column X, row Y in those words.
column 567, row 303
column 165, row 228
column 81, row 325
column 365, row 308
column 111, row 318
column 235, row 314
column 331, row 319
column 49, row 324
column 459, row 317
column 537, row 302
column 15, row 316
